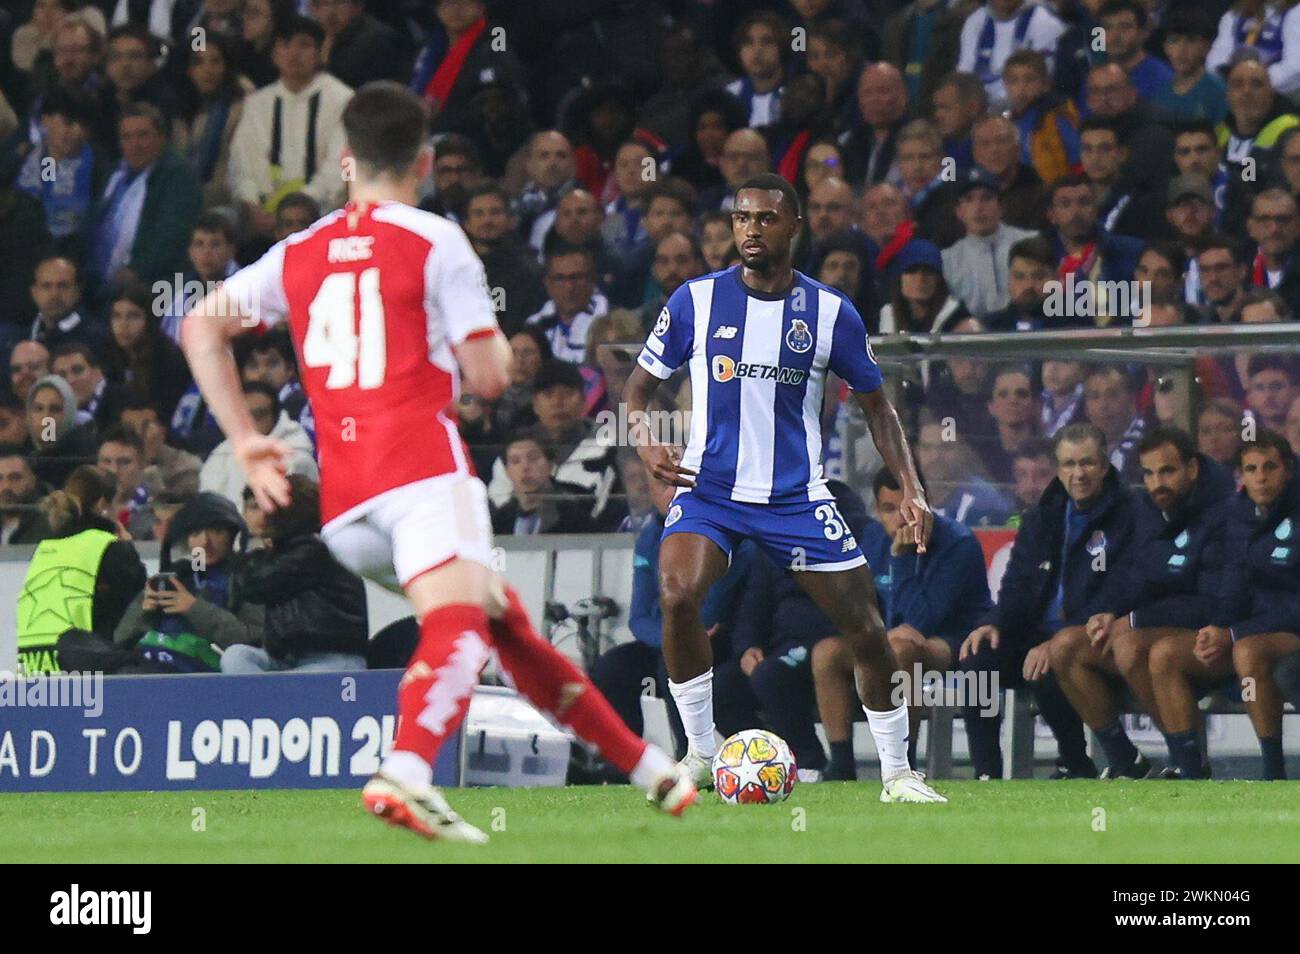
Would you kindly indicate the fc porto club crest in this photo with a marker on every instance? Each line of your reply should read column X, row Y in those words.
column 1096, row 543
column 798, row 339
column 674, row 514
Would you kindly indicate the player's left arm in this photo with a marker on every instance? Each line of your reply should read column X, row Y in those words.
column 851, row 358
column 457, row 283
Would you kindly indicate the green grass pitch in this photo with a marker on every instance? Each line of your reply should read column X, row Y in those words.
column 830, row 822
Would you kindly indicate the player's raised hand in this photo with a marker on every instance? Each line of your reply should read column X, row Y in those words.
column 663, row 462
column 265, row 462
column 918, row 515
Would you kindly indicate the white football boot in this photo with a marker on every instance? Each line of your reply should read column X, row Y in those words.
column 423, row 810
column 909, row 786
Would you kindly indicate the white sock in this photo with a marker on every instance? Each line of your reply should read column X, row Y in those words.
column 694, row 699
column 889, row 729
column 407, row 768
column 653, row 765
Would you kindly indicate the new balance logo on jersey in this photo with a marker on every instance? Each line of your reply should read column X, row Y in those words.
column 725, row 369
column 354, row 248
column 725, row 332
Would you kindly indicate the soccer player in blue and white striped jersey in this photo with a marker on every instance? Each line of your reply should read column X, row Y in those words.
column 760, row 340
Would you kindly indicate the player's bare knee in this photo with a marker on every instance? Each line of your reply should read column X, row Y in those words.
column 1065, row 647
column 831, row 657
column 679, row 599
column 1251, row 658
column 1165, row 659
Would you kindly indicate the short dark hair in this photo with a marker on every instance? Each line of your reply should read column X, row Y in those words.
column 1265, row 438
column 1201, row 127
column 1190, row 21
column 1170, row 252
column 1034, row 448
column 215, row 222
column 768, row 18
column 1114, row 7
column 564, row 249
column 134, row 31
column 1234, row 246
column 885, row 480
column 1077, row 433
column 674, row 188
column 839, row 34
column 1272, row 362
column 1072, row 181
column 277, row 340
column 490, row 187
column 1176, row 437
column 1095, row 123
column 295, row 25
column 1035, row 249
column 456, row 144
column 536, row 434
column 15, row 450
column 1097, row 370
column 1030, row 58
column 385, row 127
column 968, row 86
column 72, row 104
column 268, row 392
column 75, row 347
column 117, row 434
column 1266, row 296
column 138, row 403
column 299, row 200
column 147, row 111
column 771, row 182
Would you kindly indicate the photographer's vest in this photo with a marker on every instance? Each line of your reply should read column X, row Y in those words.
column 58, row 595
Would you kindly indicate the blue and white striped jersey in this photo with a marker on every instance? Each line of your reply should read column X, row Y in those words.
column 758, row 367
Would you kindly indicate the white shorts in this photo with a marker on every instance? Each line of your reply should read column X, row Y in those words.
column 409, row 530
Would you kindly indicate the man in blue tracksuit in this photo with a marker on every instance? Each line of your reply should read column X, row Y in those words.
column 929, row 602
column 773, row 635
column 621, row 673
column 1166, row 587
column 1056, row 579
column 1256, row 616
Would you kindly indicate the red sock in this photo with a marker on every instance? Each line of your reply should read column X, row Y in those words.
column 434, row 695
column 555, row 685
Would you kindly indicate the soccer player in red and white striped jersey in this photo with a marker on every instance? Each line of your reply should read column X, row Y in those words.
column 389, row 311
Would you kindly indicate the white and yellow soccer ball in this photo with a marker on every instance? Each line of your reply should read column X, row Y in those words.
column 754, row 767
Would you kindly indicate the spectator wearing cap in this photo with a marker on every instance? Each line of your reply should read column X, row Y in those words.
column 359, row 47
column 1274, row 225
column 1048, row 122
column 290, row 137
column 1193, row 92
column 573, row 302
column 996, row 30
column 975, row 267
column 1084, row 250
column 78, row 170
column 56, row 292
column 221, row 473
column 538, row 502
column 513, row 274
column 583, row 456
column 315, row 609
column 1269, row 33
column 139, row 228
column 920, row 300
column 995, row 144
column 1124, row 207
column 1189, row 210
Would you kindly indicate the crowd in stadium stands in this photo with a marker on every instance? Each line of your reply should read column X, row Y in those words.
column 960, row 163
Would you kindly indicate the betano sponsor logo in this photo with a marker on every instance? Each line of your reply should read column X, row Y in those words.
column 726, row 369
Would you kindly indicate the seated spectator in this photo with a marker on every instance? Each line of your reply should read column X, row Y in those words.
column 760, row 46
column 975, row 267
column 296, row 211
column 1030, row 267
column 615, row 339
column 929, row 602
column 29, row 361
column 221, row 473
column 1048, row 122
column 315, row 610
column 1193, row 91
column 57, row 442
column 290, row 137
column 1267, row 30
column 121, row 453
column 478, row 430
column 669, row 208
column 1013, row 405
column 919, row 300
column 715, row 115
column 56, row 291
column 845, row 263
column 1163, row 266
column 270, row 358
column 995, row 143
column 359, row 47
column 1111, row 95
column 169, row 468
column 956, row 479
column 1059, row 569
column 927, row 182
column 513, row 275
column 1165, row 589
column 21, row 519
column 138, row 354
column 1271, row 386
column 573, row 302
column 621, row 673
column 1125, row 26
column 139, row 227
column 1222, row 269
column 1123, row 207
column 635, row 172
column 835, row 56
column 538, row 503
column 1219, row 428
column 744, row 155
column 578, row 224
column 869, row 147
column 888, row 225
column 1085, row 252
column 98, row 401
column 13, row 421
column 1062, row 395
column 550, row 170
column 58, row 610
column 716, row 241
column 959, row 100
column 677, row 258
column 211, row 106
column 192, row 610
column 636, row 487
column 1257, row 116
column 581, row 457
column 1033, row 467
column 211, row 260
column 457, row 168
column 530, row 350
column 1189, row 211
column 65, row 173
column 1256, row 612
column 133, row 78
column 1274, row 225
column 1110, row 402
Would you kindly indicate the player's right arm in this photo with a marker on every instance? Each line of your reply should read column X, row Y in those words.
column 666, row 349
column 252, row 295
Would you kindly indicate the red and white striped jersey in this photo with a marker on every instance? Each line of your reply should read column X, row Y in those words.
column 376, row 298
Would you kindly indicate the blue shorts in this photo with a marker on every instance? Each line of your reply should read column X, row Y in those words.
column 805, row 535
